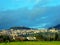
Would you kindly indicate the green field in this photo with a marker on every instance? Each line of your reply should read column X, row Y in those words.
column 33, row 43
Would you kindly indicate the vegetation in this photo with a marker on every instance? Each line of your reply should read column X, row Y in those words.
column 48, row 36
column 32, row 43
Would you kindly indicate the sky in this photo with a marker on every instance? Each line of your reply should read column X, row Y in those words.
column 30, row 13
column 15, row 4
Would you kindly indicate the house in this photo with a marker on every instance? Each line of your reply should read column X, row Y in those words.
column 53, row 30
column 31, row 38
column 20, row 38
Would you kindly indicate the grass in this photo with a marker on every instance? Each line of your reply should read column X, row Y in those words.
column 33, row 43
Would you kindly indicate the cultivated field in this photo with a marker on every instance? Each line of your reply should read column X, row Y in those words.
column 33, row 43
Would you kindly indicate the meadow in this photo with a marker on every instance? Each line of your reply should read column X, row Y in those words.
column 33, row 43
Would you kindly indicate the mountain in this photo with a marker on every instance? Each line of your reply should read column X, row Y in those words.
column 56, row 27
column 21, row 28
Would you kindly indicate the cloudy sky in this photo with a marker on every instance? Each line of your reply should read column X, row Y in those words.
column 30, row 13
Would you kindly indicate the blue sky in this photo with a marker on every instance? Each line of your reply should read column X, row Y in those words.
column 15, row 4
column 31, row 13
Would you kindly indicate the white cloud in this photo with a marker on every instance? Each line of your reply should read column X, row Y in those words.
column 41, row 25
column 44, row 17
column 37, row 1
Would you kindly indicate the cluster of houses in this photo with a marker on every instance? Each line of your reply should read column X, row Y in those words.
column 24, row 34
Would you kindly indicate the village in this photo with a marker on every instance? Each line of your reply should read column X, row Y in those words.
column 23, row 35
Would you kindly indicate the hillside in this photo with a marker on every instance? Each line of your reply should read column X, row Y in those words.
column 20, row 28
column 56, row 27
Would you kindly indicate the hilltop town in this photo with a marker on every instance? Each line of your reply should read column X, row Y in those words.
column 30, row 34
